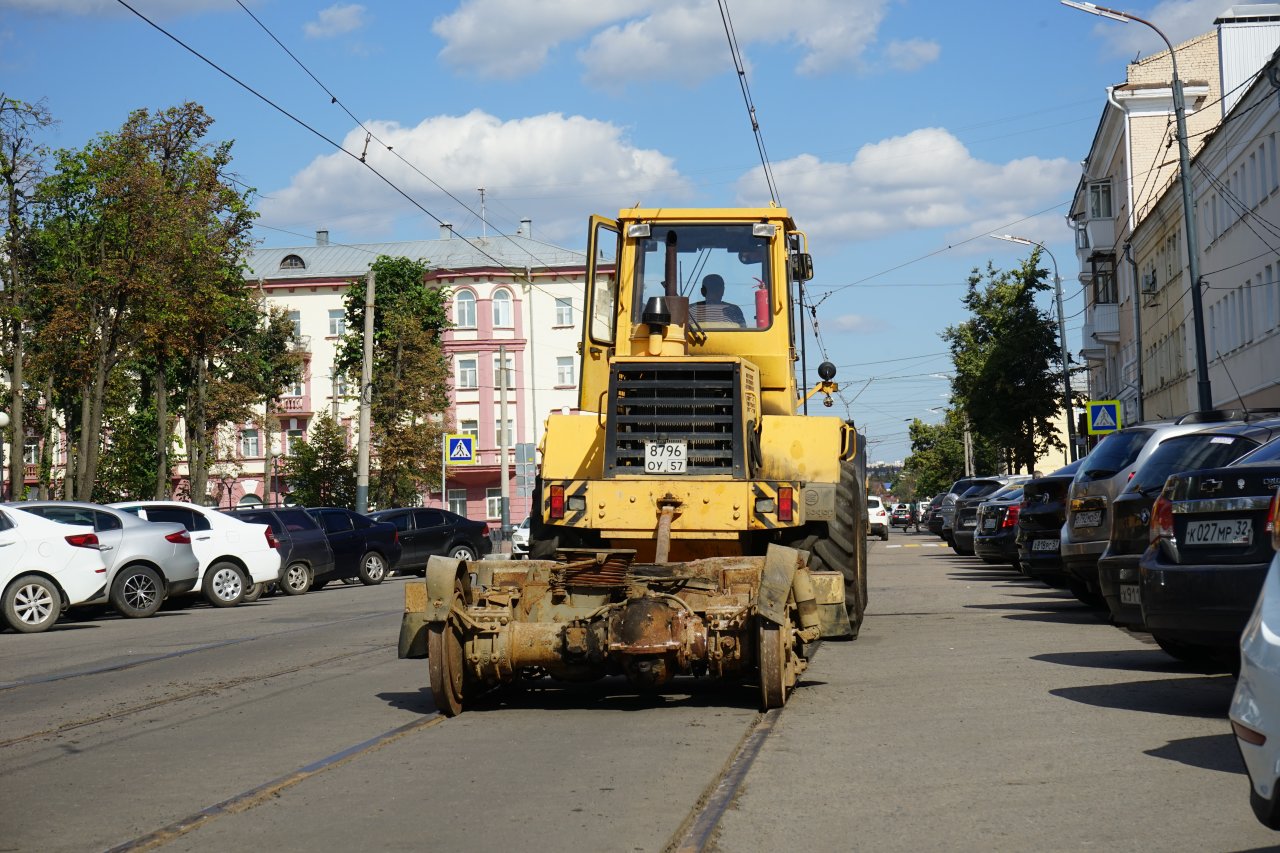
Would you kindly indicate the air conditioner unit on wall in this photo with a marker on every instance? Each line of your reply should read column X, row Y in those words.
column 1149, row 282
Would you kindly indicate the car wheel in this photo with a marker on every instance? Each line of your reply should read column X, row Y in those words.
column 224, row 584
column 463, row 552
column 32, row 604
column 295, row 579
column 884, row 535
column 254, row 592
column 137, row 591
column 373, row 568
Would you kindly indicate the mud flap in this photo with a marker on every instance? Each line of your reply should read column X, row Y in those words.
column 833, row 616
column 780, row 564
column 413, row 625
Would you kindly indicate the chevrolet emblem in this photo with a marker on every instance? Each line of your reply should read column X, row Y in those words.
column 1210, row 485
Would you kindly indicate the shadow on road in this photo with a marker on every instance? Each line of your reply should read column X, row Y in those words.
column 1201, row 696
column 1208, row 752
column 1134, row 660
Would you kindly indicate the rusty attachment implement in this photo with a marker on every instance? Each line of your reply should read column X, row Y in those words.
column 483, row 624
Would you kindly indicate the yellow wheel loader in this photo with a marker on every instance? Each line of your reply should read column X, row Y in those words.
column 690, row 519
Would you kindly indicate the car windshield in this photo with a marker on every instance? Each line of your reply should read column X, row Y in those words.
column 1008, row 493
column 1116, row 453
column 1189, row 453
column 979, row 490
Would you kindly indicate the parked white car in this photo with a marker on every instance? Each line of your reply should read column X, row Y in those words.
column 520, row 540
column 1255, row 708
column 234, row 554
column 44, row 568
column 877, row 518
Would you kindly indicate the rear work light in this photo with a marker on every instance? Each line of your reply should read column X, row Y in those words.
column 182, row 537
column 557, row 501
column 1011, row 515
column 1161, row 520
column 272, row 542
column 786, row 504
column 83, row 540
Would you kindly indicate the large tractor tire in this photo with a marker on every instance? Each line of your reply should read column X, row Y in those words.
column 844, row 548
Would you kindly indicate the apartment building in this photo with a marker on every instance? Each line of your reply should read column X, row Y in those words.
column 510, row 295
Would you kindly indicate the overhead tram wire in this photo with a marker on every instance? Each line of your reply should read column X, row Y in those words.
column 369, row 134
column 727, row 20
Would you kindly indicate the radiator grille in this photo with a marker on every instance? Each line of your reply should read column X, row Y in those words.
column 692, row 402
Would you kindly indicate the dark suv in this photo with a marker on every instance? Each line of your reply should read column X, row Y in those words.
column 363, row 547
column 1040, row 519
column 435, row 532
column 305, row 555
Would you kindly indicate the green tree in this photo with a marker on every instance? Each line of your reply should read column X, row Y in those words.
column 1006, row 361
column 22, row 163
column 322, row 470
column 937, row 453
column 410, row 390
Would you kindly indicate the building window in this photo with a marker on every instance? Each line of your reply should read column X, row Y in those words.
column 1104, row 280
column 471, row 428
column 464, row 310
column 337, row 322
column 295, row 390
column 31, row 451
column 502, row 309
column 295, row 317
column 292, row 262
column 1100, row 200
column 249, row 446
column 499, row 374
column 467, row 373
column 458, row 502
column 564, row 370
column 564, row 312
column 498, row 436
column 493, row 502
column 291, row 438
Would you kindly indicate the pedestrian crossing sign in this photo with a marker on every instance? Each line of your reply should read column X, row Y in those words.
column 1103, row 416
column 459, row 449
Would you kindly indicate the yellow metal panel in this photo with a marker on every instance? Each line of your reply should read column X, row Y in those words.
column 415, row 596
column 800, row 448
column 573, row 447
column 696, row 214
column 828, row 587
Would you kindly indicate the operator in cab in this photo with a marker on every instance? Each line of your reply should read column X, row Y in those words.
column 715, row 310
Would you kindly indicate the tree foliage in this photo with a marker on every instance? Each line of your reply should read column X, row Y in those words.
column 322, row 471
column 1006, row 360
column 410, row 390
column 937, row 454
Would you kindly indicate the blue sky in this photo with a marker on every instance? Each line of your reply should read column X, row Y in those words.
column 900, row 131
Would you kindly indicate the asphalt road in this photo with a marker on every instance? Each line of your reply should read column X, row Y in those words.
column 978, row 711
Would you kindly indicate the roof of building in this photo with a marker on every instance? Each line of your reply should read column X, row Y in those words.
column 456, row 253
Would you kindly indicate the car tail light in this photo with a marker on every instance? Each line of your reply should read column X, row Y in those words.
column 182, row 537
column 83, row 540
column 395, row 537
column 1161, row 519
column 1273, row 527
column 786, row 506
column 1011, row 516
column 557, row 501
column 272, row 541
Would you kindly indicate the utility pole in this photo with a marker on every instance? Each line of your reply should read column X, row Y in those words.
column 503, row 443
column 968, row 448
column 366, row 398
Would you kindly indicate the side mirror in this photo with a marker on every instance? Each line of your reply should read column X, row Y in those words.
column 802, row 266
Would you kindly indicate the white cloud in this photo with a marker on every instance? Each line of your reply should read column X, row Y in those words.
column 648, row 39
column 853, row 323
column 550, row 167
column 335, row 21
column 924, row 179
column 1179, row 19
column 912, row 54
column 110, row 8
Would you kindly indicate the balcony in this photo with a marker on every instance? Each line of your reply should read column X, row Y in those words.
column 300, row 343
column 1104, row 318
column 294, row 406
column 1102, row 235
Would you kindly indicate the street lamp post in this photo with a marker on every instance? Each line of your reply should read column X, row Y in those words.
column 1204, row 393
column 1062, row 343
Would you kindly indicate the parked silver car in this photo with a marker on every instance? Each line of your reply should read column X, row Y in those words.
column 145, row 560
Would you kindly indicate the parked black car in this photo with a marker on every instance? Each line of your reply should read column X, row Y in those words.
column 362, row 547
column 933, row 516
column 1040, row 520
column 305, row 555
column 435, row 532
column 995, row 539
column 1131, row 511
column 1199, row 578
column 965, row 520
